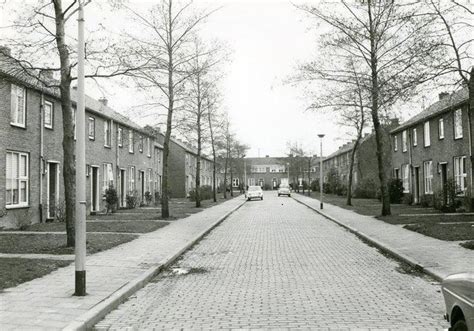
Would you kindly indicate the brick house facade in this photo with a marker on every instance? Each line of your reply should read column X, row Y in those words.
column 182, row 167
column 434, row 146
column 118, row 153
column 365, row 159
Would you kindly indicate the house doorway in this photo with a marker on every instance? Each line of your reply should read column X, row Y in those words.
column 142, row 184
column 52, row 189
column 444, row 178
column 123, row 188
column 416, row 198
column 94, row 189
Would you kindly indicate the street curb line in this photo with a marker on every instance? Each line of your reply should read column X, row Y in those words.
column 95, row 314
column 382, row 246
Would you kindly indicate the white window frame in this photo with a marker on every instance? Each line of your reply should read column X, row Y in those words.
column 107, row 176
column 131, row 178
column 428, row 177
column 107, row 133
column 23, row 201
column 460, row 174
column 131, row 144
column 441, row 128
column 395, row 144
column 415, row 137
column 50, row 105
column 426, row 134
column 90, row 121
column 406, row 178
column 140, row 144
column 458, row 134
column 16, row 119
column 404, row 141
column 120, row 137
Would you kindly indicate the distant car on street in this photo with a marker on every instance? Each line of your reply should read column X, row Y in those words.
column 254, row 192
column 284, row 190
column 458, row 292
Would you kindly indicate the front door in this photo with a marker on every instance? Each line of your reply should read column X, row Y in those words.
column 417, row 185
column 94, row 189
column 122, row 188
column 444, row 177
column 142, row 183
column 52, row 189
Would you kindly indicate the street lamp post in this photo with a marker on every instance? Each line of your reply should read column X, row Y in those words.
column 288, row 165
column 80, row 221
column 245, row 175
column 321, row 136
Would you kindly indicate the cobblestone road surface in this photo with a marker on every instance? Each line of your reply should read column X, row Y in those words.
column 277, row 264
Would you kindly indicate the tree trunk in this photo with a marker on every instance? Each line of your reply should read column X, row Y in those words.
column 385, row 197
column 198, row 162
column 225, row 176
column 470, row 111
column 351, row 169
column 69, row 166
column 214, row 193
column 231, row 177
column 165, row 212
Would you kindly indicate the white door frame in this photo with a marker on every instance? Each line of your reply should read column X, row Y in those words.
column 48, row 189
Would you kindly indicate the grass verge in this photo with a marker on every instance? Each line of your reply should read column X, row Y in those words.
column 15, row 271
column 449, row 232
column 52, row 243
column 98, row 226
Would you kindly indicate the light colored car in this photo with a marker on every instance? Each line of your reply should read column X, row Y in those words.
column 458, row 292
column 284, row 190
column 254, row 192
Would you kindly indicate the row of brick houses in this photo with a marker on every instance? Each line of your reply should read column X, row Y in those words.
column 424, row 152
column 118, row 152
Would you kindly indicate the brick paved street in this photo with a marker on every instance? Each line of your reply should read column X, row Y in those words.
column 277, row 264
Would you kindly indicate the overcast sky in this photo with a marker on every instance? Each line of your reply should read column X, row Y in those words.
column 268, row 38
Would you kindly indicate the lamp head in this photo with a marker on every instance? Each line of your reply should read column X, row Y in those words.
column 321, row 135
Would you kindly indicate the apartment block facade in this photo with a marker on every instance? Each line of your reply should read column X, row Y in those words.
column 434, row 146
column 118, row 153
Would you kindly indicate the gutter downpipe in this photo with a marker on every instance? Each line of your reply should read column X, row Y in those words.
column 41, row 159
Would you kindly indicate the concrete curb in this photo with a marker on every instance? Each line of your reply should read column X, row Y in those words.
column 380, row 245
column 92, row 316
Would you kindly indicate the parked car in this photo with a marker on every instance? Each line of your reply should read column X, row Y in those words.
column 284, row 190
column 458, row 292
column 254, row 192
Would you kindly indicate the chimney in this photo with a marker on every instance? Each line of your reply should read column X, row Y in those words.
column 267, row 155
column 443, row 95
column 4, row 50
column 394, row 122
column 104, row 101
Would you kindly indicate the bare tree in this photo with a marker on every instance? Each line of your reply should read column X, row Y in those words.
column 393, row 43
column 165, row 44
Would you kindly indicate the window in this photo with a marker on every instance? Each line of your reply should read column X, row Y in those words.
column 426, row 134
column 48, row 114
column 17, row 181
column 150, row 180
column 140, row 144
column 428, row 176
column 404, row 141
column 457, row 124
column 107, row 133
column 148, row 147
column 235, row 182
column 415, row 137
column 441, row 128
column 91, row 128
column 395, row 143
column 396, row 173
column 18, row 106
column 460, row 174
column 120, row 137
column 130, row 141
column 107, row 176
column 131, row 178
column 406, row 178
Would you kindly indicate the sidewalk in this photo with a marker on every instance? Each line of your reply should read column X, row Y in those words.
column 435, row 257
column 48, row 303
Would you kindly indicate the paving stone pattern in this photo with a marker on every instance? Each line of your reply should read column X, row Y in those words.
column 277, row 264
